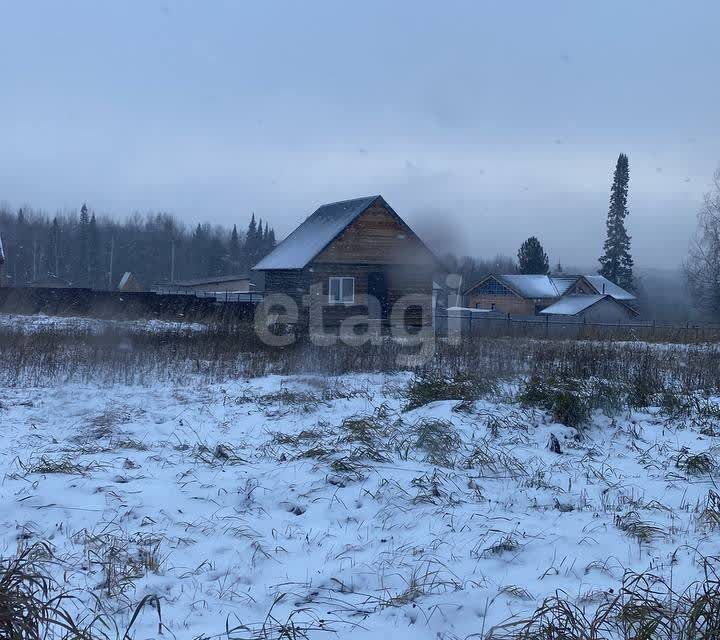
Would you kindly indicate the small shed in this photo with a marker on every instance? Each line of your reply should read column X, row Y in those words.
column 129, row 283
column 590, row 308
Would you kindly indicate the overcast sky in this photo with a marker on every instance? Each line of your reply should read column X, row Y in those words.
column 480, row 122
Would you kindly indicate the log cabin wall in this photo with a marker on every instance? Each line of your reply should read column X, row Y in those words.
column 401, row 281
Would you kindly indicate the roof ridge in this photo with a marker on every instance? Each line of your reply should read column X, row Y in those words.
column 332, row 204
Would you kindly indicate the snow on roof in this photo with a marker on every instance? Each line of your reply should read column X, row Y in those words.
column 124, row 280
column 314, row 234
column 572, row 305
column 542, row 286
column 2, row 251
column 536, row 286
column 603, row 285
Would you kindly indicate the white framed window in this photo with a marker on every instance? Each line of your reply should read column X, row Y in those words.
column 341, row 290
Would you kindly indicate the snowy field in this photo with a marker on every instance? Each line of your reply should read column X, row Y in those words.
column 34, row 323
column 304, row 506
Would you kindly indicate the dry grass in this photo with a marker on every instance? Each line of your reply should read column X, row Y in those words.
column 33, row 606
column 645, row 608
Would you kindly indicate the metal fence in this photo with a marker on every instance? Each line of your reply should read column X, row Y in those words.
column 220, row 296
column 498, row 325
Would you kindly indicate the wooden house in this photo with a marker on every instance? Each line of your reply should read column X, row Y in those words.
column 528, row 295
column 347, row 252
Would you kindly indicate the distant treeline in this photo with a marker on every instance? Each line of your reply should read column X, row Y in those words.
column 94, row 251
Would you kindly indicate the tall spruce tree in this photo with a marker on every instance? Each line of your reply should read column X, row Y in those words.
column 199, row 250
column 252, row 242
column 616, row 261
column 234, row 248
column 532, row 258
column 265, row 241
column 260, row 244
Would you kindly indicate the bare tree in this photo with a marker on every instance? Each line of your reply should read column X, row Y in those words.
column 702, row 267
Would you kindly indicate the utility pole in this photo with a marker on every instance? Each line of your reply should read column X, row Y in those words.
column 172, row 261
column 112, row 255
column 34, row 259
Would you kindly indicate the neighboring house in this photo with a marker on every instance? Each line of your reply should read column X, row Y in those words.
column 529, row 294
column 589, row 308
column 346, row 251
column 49, row 281
column 234, row 283
column 129, row 283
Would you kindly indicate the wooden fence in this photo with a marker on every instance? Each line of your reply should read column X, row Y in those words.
column 123, row 305
column 219, row 296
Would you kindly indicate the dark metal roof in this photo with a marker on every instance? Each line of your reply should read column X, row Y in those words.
column 194, row 282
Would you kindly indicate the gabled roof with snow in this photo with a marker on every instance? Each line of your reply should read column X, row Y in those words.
column 316, row 233
column 602, row 285
column 537, row 286
column 543, row 286
column 573, row 304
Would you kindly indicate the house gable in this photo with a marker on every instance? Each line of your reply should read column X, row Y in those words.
column 492, row 286
column 342, row 232
column 580, row 287
column 377, row 236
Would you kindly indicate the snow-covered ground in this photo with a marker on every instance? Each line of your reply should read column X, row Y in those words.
column 320, row 501
column 30, row 324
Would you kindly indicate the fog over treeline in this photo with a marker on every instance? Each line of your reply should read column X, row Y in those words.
column 87, row 249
